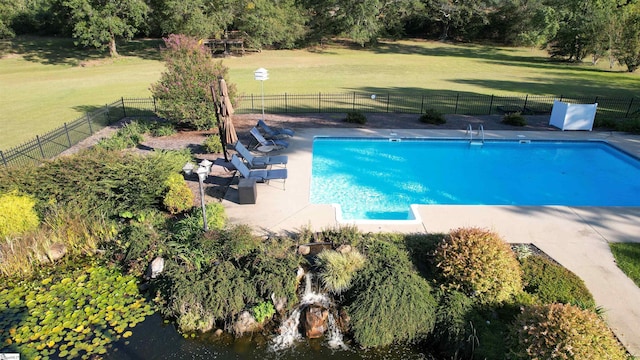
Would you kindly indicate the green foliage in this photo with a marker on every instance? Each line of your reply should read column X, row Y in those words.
column 432, row 116
column 130, row 135
column 389, row 301
column 627, row 257
column 179, row 196
column 162, row 129
column 480, row 264
column 97, row 23
column 78, row 233
column 212, row 144
column 631, row 125
column 99, row 181
column 553, row 283
column 515, row 119
column 272, row 269
column 343, row 234
column 70, row 314
column 183, row 90
column 558, row 331
column 627, row 49
column 263, row 311
column 18, row 214
column 453, row 323
column 356, row 117
column 338, row 269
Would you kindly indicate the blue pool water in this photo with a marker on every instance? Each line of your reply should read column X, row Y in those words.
column 379, row 179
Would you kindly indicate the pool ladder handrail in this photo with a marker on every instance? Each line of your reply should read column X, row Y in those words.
column 480, row 132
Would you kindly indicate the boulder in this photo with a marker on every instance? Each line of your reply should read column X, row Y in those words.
column 304, row 249
column 314, row 321
column 56, row 251
column 245, row 323
column 155, row 268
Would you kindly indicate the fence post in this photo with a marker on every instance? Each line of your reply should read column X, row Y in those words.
column 353, row 103
column 387, row 102
column 89, row 122
column 422, row 104
column 560, row 97
column 4, row 161
column 124, row 108
column 490, row 104
column 40, row 146
column 629, row 108
column 455, row 110
column 524, row 107
column 319, row 95
column 286, row 103
column 106, row 114
column 595, row 100
column 155, row 106
column 66, row 131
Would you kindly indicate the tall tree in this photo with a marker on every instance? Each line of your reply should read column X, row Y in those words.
column 99, row 23
column 627, row 46
column 268, row 22
column 199, row 18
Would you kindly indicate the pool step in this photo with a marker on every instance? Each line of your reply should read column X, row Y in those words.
column 480, row 132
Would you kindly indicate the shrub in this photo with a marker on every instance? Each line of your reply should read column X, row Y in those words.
column 263, row 311
column 179, row 196
column 480, row 264
column 130, row 135
column 343, row 234
column 161, row 129
column 515, row 119
column 356, row 117
column 452, row 322
column 389, row 301
column 183, row 91
column 558, row 331
column 432, row 116
column 337, row 269
column 212, row 144
column 630, row 125
column 191, row 226
column 17, row 214
column 552, row 283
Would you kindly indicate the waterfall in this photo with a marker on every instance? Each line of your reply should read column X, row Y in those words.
column 289, row 331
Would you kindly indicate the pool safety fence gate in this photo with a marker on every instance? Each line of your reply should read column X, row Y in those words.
column 55, row 142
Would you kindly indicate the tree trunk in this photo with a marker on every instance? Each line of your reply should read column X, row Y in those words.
column 113, row 51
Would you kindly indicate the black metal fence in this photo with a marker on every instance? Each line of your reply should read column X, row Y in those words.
column 55, row 142
column 466, row 104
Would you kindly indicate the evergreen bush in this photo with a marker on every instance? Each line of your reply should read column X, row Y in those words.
column 179, row 196
column 515, row 119
column 17, row 214
column 480, row 264
column 212, row 144
column 432, row 116
column 553, row 283
column 356, row 117
column 631, row 125
column 559, row 331
column 389, row 301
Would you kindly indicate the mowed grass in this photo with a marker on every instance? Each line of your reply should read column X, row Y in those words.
column 45, row 85
column 627, row 257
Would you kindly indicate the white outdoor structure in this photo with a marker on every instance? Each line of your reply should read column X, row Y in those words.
column 567, row 116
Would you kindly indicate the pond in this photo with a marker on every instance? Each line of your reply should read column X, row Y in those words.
column 155, row 339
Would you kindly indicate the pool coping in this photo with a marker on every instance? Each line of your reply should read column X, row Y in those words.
column 576, row 237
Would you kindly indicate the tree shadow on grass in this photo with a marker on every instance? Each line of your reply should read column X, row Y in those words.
column 63, row 51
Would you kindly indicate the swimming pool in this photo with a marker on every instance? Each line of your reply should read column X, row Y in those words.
column 380, row 178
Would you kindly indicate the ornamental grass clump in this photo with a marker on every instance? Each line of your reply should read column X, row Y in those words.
column 337, row 269
column 480, row 264
column 558, row 331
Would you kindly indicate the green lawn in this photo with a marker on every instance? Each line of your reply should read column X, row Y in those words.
column 627, row 257
column 47, row 82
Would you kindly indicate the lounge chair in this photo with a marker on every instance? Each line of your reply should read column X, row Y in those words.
column 265, row 145
column 272, row 132
column 260, row 161
column 259, row 175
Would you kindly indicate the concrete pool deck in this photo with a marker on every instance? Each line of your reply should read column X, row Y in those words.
column 576, row 237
